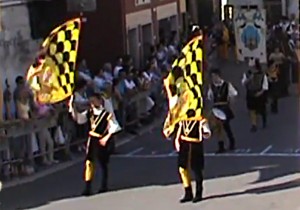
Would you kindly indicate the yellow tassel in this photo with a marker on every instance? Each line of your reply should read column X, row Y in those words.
column 185, row 177
column 89, row 171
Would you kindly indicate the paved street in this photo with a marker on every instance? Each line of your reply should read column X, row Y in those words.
column 263, row 173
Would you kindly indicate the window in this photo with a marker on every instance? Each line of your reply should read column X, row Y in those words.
column 142, row 2
column 45, row 16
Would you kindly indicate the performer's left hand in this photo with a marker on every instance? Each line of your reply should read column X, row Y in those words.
column 103, row 142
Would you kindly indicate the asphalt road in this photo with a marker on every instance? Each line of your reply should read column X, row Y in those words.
column 263, row 173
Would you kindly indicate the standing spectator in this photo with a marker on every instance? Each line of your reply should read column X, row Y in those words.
column 161, row 55
column 7, row 98
column 20, row 85
column 278, row 58
column 80, row 106
column 25, row 144
column 130, row 91
column 117, row 101
column 118, row 67
column 46, row 142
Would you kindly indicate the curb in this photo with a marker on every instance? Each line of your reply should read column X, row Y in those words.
column 77, row 160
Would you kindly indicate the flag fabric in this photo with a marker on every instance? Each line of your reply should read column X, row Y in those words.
column 184, row 86
column 52, row 76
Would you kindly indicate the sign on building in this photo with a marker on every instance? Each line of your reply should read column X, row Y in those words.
column 250, row 34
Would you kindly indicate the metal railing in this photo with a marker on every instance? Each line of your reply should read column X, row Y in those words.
column 12, row 130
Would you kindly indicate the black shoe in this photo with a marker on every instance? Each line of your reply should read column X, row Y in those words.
column 253, row 129
column 199, row 190
column 88, row 189
column 188, row 196
column 221, row 148
column 232, row 147
column 86, row 192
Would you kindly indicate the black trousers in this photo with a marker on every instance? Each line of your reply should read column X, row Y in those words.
column 191, row 155
column 101, row 154
column 257, row 106
column 229, row 133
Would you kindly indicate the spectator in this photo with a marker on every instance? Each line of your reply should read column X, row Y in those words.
column 130, row 86
column 84, row 71
column 7, row 98
column 100, row 81
column 108, row 72
column 118, row 67
column 25, row 142
column 20, row 85
column 117, row 100
column 46, row 142
column 277, row 57
column 161, row 55
column 79, row 110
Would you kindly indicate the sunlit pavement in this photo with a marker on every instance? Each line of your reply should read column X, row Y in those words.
column 262, row 174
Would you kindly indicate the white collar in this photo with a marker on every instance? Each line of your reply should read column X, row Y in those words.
column 219, row 84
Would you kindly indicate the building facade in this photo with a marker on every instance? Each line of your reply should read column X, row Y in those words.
column 114, row 28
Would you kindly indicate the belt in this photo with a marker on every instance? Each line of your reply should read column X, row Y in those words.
column 221, row 103
column 189, row 139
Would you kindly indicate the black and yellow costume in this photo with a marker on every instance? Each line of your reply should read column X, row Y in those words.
column 221, row 101
column 274, row 88
column 95, row 151
column 256, row 104
column 191, row 155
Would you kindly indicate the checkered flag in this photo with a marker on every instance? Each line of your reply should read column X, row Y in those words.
column 52, row 76
column 184, row 86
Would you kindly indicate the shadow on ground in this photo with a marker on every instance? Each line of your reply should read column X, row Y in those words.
column 128, row 173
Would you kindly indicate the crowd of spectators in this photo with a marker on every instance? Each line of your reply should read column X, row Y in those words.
column 119, row 82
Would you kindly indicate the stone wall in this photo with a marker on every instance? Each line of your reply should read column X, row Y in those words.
column 17, row 49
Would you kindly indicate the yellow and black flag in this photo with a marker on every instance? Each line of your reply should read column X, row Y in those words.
column 184, row 86
column 52, row 76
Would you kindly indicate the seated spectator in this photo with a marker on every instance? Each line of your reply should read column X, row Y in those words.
column 84, row 71
column 143, row 84
column 100, row 81
column 130, row 86
column 121, row 83
column 108, row 72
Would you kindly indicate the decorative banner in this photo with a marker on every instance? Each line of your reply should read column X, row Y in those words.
column 250, row 34
column 52, row 76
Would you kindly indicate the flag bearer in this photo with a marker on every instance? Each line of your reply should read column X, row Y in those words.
column 189, row 144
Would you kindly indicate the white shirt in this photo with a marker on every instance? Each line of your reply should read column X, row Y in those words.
column 99, row 82
column 265, row 85
column 232, row 92
column 148, row 76
column 116, row 71
column 129, row 84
